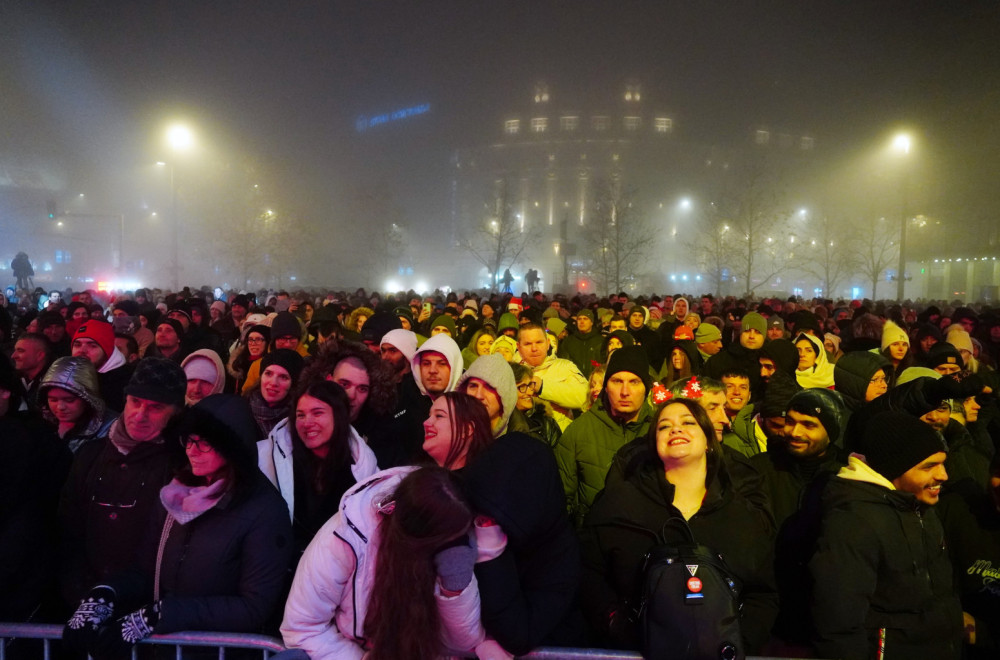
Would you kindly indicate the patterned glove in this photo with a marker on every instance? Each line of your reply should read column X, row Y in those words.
column 116, row 639
column 96, row 607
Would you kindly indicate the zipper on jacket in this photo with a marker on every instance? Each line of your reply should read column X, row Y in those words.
column 354, row 586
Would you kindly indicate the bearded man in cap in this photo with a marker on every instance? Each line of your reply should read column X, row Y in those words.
column 114, row 485
column 882, row 576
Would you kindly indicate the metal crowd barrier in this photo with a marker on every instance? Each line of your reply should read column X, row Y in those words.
column 46, row 632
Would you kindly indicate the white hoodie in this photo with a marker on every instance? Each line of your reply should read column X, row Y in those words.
column 447, row 347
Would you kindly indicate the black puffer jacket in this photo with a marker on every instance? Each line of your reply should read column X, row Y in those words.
column 625, row 523
column 881, row 562
column 528, row 593
column 224, row 570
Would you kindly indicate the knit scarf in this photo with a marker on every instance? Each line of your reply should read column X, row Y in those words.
column 266, row 416
column 122, row 441
column 185, row 503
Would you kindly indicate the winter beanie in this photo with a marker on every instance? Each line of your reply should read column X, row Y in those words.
column 173, row 323
column 826, row 405
column 754, row 321
column 706, row 333
column 632, row 359
column 290, row 360
column 286, row 325
column 683, row 332
column 891, row 333
column 894, row 442
column 404, row 340
column 446, row 321
column 158, row 379
column 101, row 332
column 380, row 323
column 201, row 368
column 944, row 353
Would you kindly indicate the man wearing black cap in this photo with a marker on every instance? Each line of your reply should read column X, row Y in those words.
column 589, row 443
column 882, row 576
column 114, row 484
column 168, row 341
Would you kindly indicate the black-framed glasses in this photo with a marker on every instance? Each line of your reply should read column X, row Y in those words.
column 201, row 445
column 525, row 387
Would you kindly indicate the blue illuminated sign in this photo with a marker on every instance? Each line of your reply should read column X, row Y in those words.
column 364, row 123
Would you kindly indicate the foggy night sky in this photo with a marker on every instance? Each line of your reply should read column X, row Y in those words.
column 90, row 84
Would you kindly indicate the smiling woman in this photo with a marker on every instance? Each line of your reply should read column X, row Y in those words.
column 314, row 456
column 677, row 472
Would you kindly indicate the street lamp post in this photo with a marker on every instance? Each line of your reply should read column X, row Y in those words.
column 901, row 143
column 179, row 138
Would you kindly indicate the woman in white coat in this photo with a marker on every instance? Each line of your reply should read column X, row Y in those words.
column 391, row 575
column 314, row 456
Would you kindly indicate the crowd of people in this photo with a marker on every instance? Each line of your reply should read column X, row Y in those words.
column 398, row 475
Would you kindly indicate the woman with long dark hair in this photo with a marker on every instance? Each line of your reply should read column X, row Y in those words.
column 680, row 473
column 314, row 456
column 391, row 574
column 528, row 593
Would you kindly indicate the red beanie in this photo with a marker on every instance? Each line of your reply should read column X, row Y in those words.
column 101, row 332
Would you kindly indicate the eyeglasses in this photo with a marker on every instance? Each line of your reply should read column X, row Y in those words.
column 255, row 340
column 878, row 380
column 524, row 387
column 202, row 446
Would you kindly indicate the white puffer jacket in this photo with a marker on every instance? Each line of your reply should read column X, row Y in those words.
column 274, row 457
column 326, row 608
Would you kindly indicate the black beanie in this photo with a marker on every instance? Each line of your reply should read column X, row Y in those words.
column 290, row 360
column 943, row 353
column 783, row 353
column 826, row 405
column 894, row 442
column 158, row 379
column 632, row 359
column 380, row 323
column 285, row 325
column 173, row 323
column 226, row 422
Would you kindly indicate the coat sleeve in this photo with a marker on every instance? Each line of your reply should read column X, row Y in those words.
column 319, row 586
column 461, row 629
column 844, row 571
column 564, row 385
column 565, row 452
column 265, row 555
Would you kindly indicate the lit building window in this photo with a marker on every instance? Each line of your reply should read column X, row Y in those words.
column 632, row 123
column 569, row 123
column 762, row 137
column 807, row 143
column 663, row 124
column 632, row 93
column 599, row 123
column 512, row 126
column 539, row 124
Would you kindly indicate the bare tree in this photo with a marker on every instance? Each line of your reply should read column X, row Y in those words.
column 877, row 248
column 830, row 254
column 618, row 236
column 499, row 238
column 760, row 248
column 711, row 248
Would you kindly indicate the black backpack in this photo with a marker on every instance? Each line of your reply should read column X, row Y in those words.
column 690, row 604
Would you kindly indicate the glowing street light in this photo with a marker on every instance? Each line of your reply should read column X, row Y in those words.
column 901, row 144
column 179, row 138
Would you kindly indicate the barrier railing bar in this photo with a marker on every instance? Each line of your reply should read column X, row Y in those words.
column 268, row 645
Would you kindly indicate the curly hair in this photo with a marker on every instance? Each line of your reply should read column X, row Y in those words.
column 381, row 380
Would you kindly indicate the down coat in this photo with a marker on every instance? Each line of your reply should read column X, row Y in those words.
column 326, row 609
